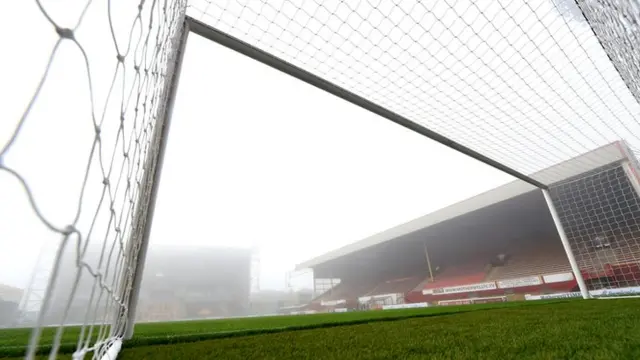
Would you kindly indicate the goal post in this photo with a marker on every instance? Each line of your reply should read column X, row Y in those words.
column 143, row 219
column 575, row 268
column 85, row 301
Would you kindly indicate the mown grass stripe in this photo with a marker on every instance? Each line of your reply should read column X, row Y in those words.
column 588, row 330
column 318, row 321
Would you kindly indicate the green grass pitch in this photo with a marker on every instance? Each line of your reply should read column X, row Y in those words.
column 576, row 329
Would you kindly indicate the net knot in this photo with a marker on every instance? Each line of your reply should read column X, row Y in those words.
column 68, row 230
column 65, row 33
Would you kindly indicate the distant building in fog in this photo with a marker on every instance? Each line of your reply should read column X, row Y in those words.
column 179, row 282
column 9, row 302
column 269, row 302
column 187, row 283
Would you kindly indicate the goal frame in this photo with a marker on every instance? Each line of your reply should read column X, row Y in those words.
column 144, row 212
column 210, row 33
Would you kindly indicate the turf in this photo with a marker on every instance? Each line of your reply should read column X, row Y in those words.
column 585, row 330
column 12, row 342
column 596, row 329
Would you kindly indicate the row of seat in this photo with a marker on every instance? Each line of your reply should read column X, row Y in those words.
column 528, row 261
column 535, row 260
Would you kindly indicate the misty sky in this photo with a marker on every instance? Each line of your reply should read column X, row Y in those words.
column 258, row 159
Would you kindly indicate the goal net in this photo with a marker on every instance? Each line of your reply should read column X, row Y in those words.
column 79, row 157
column 600, row 212
column 546, row 89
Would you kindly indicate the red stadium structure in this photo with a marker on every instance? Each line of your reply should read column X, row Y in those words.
column 499, row 245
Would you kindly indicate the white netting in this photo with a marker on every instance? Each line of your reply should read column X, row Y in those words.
column 523, row 82
column 82, row 157
column 617, row 25
column 600, row 212
column 527, row 83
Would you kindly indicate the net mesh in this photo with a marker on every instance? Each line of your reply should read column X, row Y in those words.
column 617, row 25
column 548, row 88
column 122, row 55
column 525, row 83
column 601, row 217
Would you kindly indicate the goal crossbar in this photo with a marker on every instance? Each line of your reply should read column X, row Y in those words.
column 233, row 43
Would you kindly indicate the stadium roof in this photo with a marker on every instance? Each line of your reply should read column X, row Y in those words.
column 594, row 159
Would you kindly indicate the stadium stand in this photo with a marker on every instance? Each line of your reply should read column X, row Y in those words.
column 396, row 286
column 613, row 265
column 628, row 254
column 497, row 245
column 495, row 271
column 546, row 258
column 472, row 271
column 346, row 291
